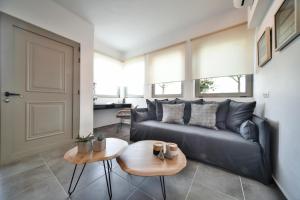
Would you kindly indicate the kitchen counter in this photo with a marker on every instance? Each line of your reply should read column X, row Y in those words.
column 111, row 106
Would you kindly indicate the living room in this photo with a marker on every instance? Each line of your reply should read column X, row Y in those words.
column 175, row 99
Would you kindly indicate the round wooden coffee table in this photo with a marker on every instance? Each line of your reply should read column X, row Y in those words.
column 114, row 148
column 138, row 160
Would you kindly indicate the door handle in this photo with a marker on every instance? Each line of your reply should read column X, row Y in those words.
column 8, row 94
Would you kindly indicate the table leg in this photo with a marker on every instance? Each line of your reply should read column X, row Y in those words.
column 70, row 191
column 107, row 171
column 120, row 125
column 163, row 187
column 109, row 164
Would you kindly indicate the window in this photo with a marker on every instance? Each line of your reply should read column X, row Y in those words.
column 171, row 89
column 107, row 76
column 166, row 71
column 225, row 53
column 134, row 77
column 227, row 86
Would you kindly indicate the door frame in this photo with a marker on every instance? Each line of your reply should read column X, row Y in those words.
column 9, row 22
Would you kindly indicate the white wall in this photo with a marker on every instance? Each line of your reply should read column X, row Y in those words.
column 105, row 117
column 51, row 16
column 280, row 77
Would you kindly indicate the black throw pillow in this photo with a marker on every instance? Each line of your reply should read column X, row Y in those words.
column 187, row 108
column 151, row 109
column 139, row 116
column 238, row 113
column 248, row 130
column 159, row 109
column 221, row 112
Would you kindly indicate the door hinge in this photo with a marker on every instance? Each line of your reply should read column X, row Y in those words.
column 78, row 92
column 79, row 48
column 78, row 60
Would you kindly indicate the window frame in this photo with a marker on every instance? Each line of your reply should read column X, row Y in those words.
column 127, row 95
column 166, row 95
column 248, row 93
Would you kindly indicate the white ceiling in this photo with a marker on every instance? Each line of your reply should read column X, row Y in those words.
column 125, row 25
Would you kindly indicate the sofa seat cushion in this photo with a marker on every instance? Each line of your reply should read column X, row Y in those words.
column 218, row 147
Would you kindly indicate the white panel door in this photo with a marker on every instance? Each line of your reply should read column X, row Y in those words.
column 37, row 88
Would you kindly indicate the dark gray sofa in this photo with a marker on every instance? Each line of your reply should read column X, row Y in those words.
column 221, row 148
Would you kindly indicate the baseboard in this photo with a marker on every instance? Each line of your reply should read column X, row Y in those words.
column 280, row 188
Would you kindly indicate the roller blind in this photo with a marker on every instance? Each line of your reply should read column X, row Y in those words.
column 167, row 65
column 225, row 53
column 107, row 74
column 134, row 75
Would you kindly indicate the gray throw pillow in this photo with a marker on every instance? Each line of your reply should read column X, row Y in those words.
column 159, row 109
column 248, row 130
column 173, row 113
column 187, row 108
column 204, row 115
column 221, row 112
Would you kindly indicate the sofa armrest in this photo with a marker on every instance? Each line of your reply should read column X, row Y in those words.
column 138, row 115
column 264, row 139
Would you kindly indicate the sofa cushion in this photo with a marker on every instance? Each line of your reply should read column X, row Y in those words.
column 159, row 108
column 139, row 116
column 187, row 108
column 238, row 113
column 221, row 112
column 151, row 109
column 204, row 115
column 173, row 113
column 248, row 130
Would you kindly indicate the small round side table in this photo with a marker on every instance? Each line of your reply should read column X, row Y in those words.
column 114, row 148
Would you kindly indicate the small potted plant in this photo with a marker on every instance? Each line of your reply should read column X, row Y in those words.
column 84, row 143
column 99, row 144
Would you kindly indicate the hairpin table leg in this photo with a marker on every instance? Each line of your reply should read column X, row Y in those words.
column 163, row 187
column 109, row 163
column 70, row 191
column 108, row 179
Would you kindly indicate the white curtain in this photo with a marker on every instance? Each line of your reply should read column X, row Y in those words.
column 166, row 65
column 107, row 74
column 225, row 53
column 134, row 75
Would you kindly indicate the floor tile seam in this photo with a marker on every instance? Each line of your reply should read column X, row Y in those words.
column 125, row 179
column 242, row 188
column 60, row 185
column 218, row 191
column 77, row 189
column 87, row 185
column 146, row 192
column 132, row 193
column 192, row 182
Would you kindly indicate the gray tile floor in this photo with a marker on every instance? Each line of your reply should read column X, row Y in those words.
column 47, row 175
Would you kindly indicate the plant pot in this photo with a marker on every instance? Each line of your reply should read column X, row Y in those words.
column 84, row 147
column 99, row 145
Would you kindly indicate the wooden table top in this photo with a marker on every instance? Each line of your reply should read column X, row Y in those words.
column 138, row 159
column 114, row 148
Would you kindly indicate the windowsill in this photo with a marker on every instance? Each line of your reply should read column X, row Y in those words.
column 224, row 95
